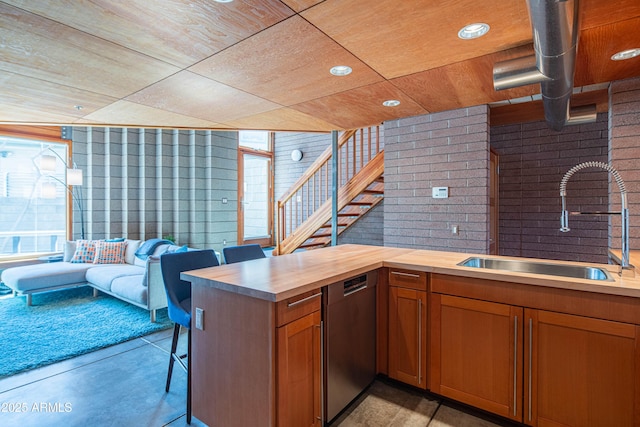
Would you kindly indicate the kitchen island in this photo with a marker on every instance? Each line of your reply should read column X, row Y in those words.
column 256, row 357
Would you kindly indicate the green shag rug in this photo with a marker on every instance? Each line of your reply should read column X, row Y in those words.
column 66, row 323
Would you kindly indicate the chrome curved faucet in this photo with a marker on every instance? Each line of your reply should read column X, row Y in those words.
column 624, row 213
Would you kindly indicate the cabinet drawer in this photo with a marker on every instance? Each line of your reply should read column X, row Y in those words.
column 408, row 279
column 296, row 307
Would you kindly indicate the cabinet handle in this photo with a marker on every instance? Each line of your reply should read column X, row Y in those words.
column 291, row 304
column 321, row 417
column 398, row 273
column 419, row 341
column 515, row 365
column 530, row 353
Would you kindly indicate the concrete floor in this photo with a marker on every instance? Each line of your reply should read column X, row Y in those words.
column 123, row 385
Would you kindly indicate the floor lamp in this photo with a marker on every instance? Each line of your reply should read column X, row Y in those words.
column 73, row 180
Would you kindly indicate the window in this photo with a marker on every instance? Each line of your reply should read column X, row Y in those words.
column 255, row 140
column 33, row 196
column 255, row 189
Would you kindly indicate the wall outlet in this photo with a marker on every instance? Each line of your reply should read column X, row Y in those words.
column 455, row 230
column 224, row 200
column 199, row 318
column 224, row 242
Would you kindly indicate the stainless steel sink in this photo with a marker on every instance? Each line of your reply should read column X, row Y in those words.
column 534, row 267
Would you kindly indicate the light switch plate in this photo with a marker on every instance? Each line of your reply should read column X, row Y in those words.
column 199, row 318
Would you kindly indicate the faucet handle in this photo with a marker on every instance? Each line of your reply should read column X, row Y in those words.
column 564, row 221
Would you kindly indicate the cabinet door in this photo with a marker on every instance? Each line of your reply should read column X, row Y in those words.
column 476, row 353
column 299, row 386
column 408, row 336
column 580, row 371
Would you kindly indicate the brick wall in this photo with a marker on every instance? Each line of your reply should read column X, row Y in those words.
column 533, row 160
column 624, row 154
column 451, row 149
column 146, row 183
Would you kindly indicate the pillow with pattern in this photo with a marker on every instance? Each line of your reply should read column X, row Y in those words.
column 85, row 251
column 110, row 252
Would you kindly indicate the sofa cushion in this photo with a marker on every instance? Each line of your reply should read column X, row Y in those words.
column 130, row 287
column 69, row 250
column 130, row 252
column 42, row 276
column 101, row 276
column 110, row 252
column 85, row 251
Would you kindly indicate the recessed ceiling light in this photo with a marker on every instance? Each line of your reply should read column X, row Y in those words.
column 340, row 70
column 223, row 1
column 473, row 31
column 391, row 103
column 626, row 54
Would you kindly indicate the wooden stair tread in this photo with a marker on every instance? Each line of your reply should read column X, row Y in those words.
column 312, row 244
column 375, row 188
column 322, row 234
column 340, row 224
column 350, row 213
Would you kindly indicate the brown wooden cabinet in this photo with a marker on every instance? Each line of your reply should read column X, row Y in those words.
column 580, row 371
column 299, row 359
column 476, row 353
column 534, row 365
column 408, row 327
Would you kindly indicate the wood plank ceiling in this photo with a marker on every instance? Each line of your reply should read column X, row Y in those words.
column 265, row 64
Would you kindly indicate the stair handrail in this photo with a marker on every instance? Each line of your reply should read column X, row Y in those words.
column 315, row 166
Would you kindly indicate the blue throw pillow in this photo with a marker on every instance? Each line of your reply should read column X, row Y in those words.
column 119, row 239
column 181, row 249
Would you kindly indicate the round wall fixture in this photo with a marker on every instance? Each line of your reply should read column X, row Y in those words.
column 296, row 155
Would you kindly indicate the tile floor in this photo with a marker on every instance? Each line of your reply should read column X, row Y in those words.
column 123, row 385
column 389, row 404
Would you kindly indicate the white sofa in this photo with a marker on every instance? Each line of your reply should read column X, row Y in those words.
column 137, row 281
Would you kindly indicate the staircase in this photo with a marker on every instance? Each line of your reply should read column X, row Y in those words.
column 304, row 212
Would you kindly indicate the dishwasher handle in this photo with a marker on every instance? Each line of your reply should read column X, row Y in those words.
column 354, row 290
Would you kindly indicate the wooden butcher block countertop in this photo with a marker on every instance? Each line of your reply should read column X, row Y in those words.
column 281, row 277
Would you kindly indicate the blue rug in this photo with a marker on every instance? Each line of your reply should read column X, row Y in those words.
column 63, row 324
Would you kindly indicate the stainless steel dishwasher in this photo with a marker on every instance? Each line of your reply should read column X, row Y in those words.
column 349, row 341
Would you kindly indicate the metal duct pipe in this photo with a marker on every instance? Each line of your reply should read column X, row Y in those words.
column 555, row 25
column 517, row 72
column 555, row 40
column 583, row 114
